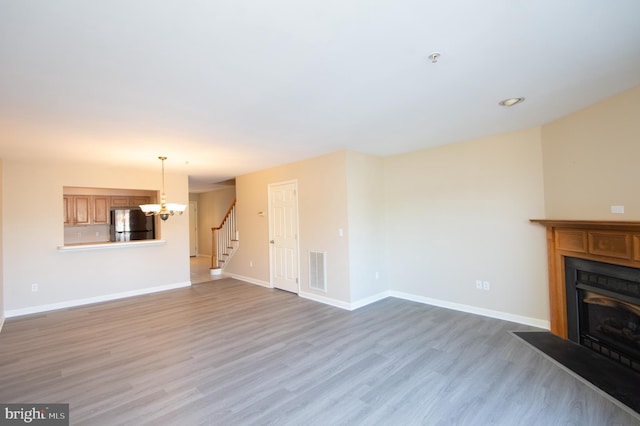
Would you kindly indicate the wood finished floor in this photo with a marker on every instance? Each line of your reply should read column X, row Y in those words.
column 230, row 353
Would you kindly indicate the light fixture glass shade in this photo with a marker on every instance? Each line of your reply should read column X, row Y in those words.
column 163, row 210
column 150, row 208
column 176, row 208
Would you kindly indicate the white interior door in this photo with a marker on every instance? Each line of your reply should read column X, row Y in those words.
column 283, row 235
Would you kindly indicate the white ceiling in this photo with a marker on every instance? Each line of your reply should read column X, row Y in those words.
column 224, row 88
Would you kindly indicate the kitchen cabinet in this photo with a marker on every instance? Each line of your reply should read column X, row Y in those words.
column 100, row 213
column 95, row 209
column 67, row 205
column 120, row 201
column 81, row 210
column 137, row 200
column 86, row 209
column 128, row 201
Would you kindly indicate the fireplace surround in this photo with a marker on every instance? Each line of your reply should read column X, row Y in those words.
column 603, row 309
column 594, row 285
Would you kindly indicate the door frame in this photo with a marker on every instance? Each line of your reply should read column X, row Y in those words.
column 271, row 252
column 193, row 228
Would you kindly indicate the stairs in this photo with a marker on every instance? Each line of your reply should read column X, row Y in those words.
column 224, row 241
column 223, row 258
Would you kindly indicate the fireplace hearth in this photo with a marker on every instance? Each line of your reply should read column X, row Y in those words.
column 603, row 309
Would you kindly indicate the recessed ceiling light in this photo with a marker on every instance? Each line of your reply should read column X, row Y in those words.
column 510, row 102
column 434, row 57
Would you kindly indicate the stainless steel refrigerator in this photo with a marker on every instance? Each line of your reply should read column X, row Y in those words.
column 131, row 224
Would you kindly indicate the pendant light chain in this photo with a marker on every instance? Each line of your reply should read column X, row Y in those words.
column 163, row 198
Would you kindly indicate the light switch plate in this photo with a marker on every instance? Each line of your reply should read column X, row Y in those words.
column 617, row 209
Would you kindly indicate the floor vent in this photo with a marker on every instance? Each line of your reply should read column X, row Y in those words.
column 317, row 271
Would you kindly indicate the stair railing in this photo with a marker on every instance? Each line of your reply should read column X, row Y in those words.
column 223, row 237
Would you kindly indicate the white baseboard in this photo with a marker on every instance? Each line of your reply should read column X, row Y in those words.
column 350, row 306
column 250, row 280
column 326, row 300
column 534, row 322
column 90, row 300
column 369, row 300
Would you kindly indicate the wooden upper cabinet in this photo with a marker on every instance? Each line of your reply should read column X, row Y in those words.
column 120, row 201
column 67, row 206
column 100, row 210
column 82, row 210
column 86, row 209
column 136, row 201
column 95, row 209
column 128, row 201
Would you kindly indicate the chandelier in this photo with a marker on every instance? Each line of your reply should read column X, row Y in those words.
column 164, row 209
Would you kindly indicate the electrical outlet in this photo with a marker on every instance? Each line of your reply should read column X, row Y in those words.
column 34, row 287
column 377, row 275
column 251, row 264
column 486, row 286
column 479, row 284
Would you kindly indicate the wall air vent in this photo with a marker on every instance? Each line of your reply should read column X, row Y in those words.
column 317, row 271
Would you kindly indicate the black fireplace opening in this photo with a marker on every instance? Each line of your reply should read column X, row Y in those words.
column 603, row 309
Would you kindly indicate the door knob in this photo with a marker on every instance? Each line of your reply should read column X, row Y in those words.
column 271, row 242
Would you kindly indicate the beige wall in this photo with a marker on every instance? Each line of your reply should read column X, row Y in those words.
column 365, row 208
column 322, row 205
column 212, row 206
column 33, row 230
column 460, row 213
column 591, row 161
column 427, row 224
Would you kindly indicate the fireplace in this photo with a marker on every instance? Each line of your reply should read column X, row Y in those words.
column 594, row 302
column 603, row 308
column 606, row 242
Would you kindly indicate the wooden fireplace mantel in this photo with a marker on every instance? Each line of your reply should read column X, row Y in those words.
column 603, row 241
